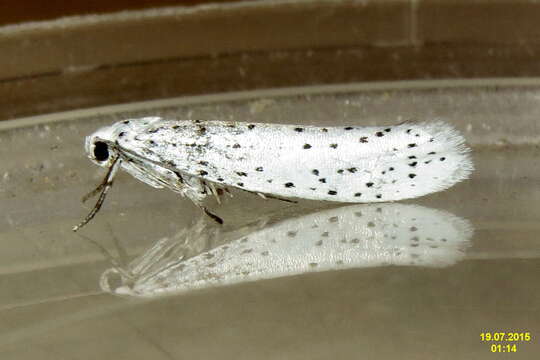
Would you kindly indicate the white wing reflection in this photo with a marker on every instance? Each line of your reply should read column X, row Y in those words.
column 341, row 238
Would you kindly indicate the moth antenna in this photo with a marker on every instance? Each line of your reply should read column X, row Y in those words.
column 123, row 256
column 117, row 265
column 105, row 185
column 93, row 193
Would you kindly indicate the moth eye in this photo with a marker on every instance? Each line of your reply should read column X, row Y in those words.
column 101, row 151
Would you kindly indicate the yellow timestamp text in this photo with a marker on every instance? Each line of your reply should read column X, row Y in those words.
column 505, row 336
column 509, row 340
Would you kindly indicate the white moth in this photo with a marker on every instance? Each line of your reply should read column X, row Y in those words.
column 344, row 164
column 357, row 236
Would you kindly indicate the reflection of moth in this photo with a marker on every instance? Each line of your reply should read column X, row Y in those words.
column 342, row 238
column 346, row 164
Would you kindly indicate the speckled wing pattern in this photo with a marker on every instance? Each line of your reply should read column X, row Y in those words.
column 346, row 164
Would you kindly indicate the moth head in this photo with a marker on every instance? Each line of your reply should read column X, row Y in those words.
column 100, row 148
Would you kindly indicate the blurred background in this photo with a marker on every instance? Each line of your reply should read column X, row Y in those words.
column 208, row 47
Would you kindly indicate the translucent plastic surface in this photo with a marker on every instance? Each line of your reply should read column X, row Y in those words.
column 51, row 297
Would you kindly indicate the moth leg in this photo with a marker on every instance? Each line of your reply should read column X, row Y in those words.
column 212, row 215
column 277, row 198
column 214, row 192
column 263, row 196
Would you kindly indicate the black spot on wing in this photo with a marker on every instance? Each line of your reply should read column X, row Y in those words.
column 201, row 130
